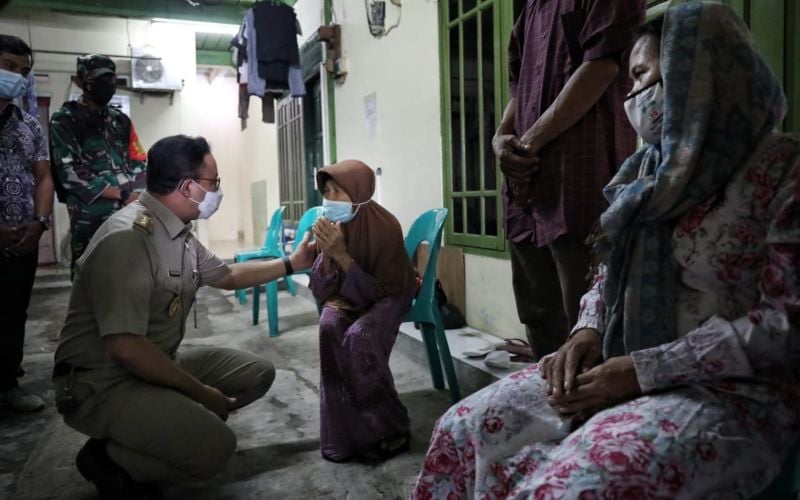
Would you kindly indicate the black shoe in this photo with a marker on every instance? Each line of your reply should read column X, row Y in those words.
column 111, row 480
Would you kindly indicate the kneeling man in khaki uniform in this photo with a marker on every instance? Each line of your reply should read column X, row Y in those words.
column 155, row 415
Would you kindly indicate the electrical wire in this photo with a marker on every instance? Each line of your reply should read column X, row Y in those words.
column 399, row 16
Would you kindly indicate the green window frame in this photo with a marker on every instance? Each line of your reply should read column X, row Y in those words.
column 473, row 36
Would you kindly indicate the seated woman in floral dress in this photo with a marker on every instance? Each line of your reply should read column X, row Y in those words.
column 682, row 377
column 365, row 283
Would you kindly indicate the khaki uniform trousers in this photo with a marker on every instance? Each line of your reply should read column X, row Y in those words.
column 159, row 435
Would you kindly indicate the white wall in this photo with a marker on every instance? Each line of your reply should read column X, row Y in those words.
column 402, row 70
column 153, row 117
column 260, row 162
column 490, row 297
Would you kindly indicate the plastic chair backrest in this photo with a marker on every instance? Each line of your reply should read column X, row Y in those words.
column 427, row 228
column 274, row 236
column 306, row 221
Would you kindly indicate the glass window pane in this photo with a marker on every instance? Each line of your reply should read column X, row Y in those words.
column 455, row 112
column 490, row 204
column 487, row 55
column 453, row 9
column 474, row 216
column 468, row 5
column 472, row 133
column 458, row 215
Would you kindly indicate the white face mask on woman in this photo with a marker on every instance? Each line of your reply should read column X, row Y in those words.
column 645, row 109
column 210, row 204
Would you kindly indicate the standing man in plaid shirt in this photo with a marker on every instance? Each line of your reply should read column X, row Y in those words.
column 98, row 162
column 561, row 138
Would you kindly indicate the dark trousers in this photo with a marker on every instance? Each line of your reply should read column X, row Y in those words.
column 549, row 282
column 16, row 283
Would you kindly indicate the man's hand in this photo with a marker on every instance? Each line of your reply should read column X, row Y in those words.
column 8, row 237
column 215, row 401
column 578, row 354
column 603, row 386
column 304, row 256
column 111, row 193
column 30, row 234
column 517, row 160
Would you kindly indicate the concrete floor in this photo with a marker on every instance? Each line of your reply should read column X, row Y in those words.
column 278, row 451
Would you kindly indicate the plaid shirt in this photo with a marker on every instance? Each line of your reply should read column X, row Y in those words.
column 549, row 42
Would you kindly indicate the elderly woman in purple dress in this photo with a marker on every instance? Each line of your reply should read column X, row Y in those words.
column 365, row 283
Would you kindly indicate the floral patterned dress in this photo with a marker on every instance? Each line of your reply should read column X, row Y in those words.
column 721, row 404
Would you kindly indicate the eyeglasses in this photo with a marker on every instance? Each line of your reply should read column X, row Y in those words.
column 215, row 180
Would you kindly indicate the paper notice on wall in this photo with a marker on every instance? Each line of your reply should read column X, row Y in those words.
column 120, row 102
column 371, row 115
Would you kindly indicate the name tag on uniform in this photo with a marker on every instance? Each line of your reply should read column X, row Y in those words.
column 174, row 274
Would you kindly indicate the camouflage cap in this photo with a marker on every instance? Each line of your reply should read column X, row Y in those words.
column 94, row 65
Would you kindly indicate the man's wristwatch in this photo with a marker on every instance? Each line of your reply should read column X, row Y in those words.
column 44, row 221
column 124, row 194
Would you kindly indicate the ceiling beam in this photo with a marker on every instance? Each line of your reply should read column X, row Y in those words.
column 143, row 9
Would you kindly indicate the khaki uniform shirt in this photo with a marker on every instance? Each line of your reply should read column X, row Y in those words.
column 138, row 276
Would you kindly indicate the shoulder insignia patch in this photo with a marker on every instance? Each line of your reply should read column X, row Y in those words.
column 145, row 221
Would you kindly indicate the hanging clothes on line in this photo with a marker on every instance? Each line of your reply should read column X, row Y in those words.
column 267, row 58
column 276, row 42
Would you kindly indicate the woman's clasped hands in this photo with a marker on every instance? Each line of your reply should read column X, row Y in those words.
column 579, row 383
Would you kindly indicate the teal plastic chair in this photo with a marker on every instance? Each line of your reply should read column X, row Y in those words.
column 303, row 226
column 787, row 484
column 425, row 311
column 271, row 249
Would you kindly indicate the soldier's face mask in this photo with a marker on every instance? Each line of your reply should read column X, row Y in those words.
column 210, row 202
column 101, row 90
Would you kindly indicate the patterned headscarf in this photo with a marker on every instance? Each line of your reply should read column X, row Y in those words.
column 721, row 100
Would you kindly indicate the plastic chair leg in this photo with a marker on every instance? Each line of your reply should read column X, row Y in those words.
column 429, row 338
column 272, row 307
column 290, row 286
column 447, row 362
column 256, row 303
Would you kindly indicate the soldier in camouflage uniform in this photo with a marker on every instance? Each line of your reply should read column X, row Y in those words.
column 98, row 163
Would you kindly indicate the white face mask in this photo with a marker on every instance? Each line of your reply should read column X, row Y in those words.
column 645, row 109
column 210, row 204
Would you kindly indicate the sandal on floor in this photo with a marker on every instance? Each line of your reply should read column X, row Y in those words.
column 388, row 448
column 519, row 349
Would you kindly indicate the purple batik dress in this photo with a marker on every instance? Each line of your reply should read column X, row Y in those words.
column 359, row 405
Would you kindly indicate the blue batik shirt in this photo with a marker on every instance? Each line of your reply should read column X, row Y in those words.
column 22, row 143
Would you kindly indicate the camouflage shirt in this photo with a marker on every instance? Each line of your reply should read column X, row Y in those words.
column 92, row 150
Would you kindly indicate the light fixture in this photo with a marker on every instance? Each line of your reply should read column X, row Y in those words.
column 202, row 27
column 376, row 16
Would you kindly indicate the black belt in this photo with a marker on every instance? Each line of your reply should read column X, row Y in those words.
column 64, row 368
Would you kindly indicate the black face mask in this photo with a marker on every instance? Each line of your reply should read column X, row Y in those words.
column 101, row 91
